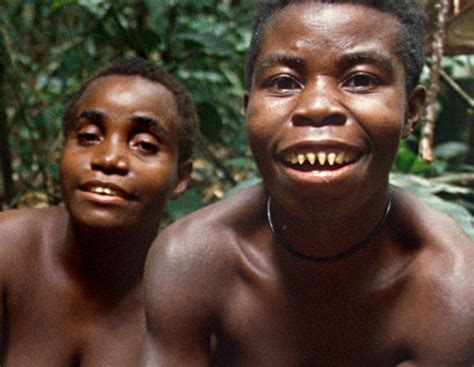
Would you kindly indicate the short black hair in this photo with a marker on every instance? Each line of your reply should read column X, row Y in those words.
column 188, row 131
column 409, row 13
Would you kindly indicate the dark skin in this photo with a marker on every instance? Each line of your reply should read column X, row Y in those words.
column 72, row 277
column 328, row 82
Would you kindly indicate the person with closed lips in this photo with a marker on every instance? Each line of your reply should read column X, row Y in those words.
column 324, row 263
column 72, row 276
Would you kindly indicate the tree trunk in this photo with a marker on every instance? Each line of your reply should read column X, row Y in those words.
column 428, row 131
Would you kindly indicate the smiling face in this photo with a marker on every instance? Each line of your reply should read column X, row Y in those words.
column 328, row 104
column 119, row 164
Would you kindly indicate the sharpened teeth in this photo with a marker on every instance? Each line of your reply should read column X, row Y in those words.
column 301, row 158
column 311, row 157
column 340, row 158
column 331, row 158
column 321, row 158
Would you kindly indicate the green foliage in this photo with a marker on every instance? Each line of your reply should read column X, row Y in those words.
column 53, row 46
column 431, row 193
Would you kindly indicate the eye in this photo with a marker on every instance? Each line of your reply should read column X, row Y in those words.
column 88, row 135
column 146, row 147
column 282, row 84
column 361, row 82
column 145, row 144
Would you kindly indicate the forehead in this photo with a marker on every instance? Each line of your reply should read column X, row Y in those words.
column 130, row 94
column 323, row 28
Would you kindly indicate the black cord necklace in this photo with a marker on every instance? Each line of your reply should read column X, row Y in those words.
column 351, row 250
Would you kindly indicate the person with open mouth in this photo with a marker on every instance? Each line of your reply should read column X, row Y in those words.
column 323, row 263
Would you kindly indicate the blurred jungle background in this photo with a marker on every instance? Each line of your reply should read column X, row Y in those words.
column 49, row 47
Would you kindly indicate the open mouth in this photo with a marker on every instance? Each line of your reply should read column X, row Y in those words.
column 319, row 160
column 106, row 189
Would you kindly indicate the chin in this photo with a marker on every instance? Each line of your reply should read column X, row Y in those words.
column 104, row 219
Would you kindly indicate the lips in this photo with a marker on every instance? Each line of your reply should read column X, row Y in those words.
column 107, row 189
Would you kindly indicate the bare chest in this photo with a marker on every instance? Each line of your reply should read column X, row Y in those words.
column 50, row 324
column 403, row 326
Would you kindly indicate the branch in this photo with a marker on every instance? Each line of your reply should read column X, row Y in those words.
column 461, row 179
column 439, row 35
column 457, row 88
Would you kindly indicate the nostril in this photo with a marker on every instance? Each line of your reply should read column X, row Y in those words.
column 335, row 119
column 303, row 120
column 318, row 120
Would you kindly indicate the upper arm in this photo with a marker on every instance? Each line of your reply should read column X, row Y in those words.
column 16, row 233
column 182, row 293
column 9, row 233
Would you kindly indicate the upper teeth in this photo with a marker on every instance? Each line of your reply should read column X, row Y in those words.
column 103, row 190
column 322, row 158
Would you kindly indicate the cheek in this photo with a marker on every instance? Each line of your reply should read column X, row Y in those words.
column 74, row 158
column 158, row 181
column 381, row 118
column 262, row 121
column 66, row 171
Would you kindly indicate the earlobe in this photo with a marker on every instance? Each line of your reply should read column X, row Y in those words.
column 184, row 177
column 415, row 109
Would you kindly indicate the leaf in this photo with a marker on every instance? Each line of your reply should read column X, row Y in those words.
column 450, row 150
column 405, row 158
column 211, row 44
column 210, row 122
column 425, row 190
column 187, row 203
column 97, row 7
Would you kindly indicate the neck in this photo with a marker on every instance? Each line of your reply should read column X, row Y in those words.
column 326, row 239
column 108, row 263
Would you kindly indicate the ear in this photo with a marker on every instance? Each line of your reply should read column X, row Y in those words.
column 415, row 107
column 184, row 177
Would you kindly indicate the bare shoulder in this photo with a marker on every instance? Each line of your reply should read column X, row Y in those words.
column 428, row 224
column 190, row 275
column 22, row 231
column 200, row 250
column 444, row 246
column 444, row 269
column 211, row 230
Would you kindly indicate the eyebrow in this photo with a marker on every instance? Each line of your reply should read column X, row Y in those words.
column 280, row 59
column 144, row 121
column 152, row 124
column 367, row 57
column 347, row 60
column 91, row 115
column 94, row 116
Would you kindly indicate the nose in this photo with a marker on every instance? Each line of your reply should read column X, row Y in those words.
column 111, row 157
column 319, row 104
